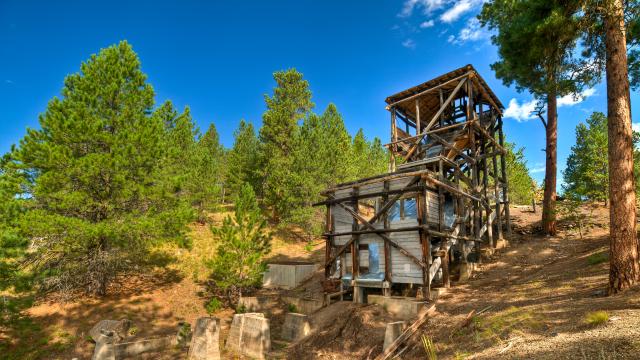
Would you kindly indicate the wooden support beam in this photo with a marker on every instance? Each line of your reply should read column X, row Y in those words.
column 394, row 140
column 398, row 192
column 430, row 89
column 462, row 124
column 489, row 137
column 374, row 180
column 435, row 118
column 355, row 243
column 496, row 185
column 329, row 240
column 387, row 247
column 505, row 185
column 452, row 147
column 425, row 242
column 417, row 116
column 401, row 249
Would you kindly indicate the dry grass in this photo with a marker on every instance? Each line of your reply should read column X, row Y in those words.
column 596, row 318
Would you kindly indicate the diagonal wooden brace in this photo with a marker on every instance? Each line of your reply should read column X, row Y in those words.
column 375, row 217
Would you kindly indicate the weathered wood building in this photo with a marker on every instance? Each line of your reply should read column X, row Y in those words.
column 445, row 196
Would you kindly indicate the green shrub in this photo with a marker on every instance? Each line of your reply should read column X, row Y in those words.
column 244, row 241
column 292, row 308
column 596, row 318
column 213, row 305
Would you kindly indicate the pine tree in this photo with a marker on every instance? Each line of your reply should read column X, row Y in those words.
column 96, row 159
column 536, row 40
column 290, row 103
column 243, row 159
column 321, row 160
column 12, row 206
column 179, row 143
column 367, row 158
column 244, row 241
column 521, row 186
column 611, row 29
column 207, row 182
column 587, row 173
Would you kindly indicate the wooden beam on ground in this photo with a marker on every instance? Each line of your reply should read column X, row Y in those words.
column 388, row 353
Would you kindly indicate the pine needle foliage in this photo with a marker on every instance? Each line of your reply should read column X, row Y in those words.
column 243, row 243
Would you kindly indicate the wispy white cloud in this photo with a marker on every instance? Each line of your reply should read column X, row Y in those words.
column 520, row 112
column 635, row 127
column 457, row 10
column 523, row 112
column 427, row 24
column 409, row 44
column 571, row 99
column 471, row 32
column 535, row 170
column 427, row 6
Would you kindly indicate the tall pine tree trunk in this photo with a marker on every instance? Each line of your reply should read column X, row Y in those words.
column 550, row 175
column 624, row 268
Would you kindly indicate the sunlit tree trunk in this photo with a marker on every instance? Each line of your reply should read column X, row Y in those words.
column 624, row 268
column 550, row 175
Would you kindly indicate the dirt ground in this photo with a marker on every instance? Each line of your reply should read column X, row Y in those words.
column 531, row 301
column 536, row 296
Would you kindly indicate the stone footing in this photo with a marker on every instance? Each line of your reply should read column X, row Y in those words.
column 392, row 332
column 250, row 335
column 296, row 327
column 402, row 307
column 205, row 343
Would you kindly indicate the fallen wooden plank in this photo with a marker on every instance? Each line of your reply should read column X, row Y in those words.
column 387, row 354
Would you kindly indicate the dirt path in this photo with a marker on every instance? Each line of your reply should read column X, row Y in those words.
column 536, row 295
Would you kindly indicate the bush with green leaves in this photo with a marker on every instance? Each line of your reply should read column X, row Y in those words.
column 243, row 243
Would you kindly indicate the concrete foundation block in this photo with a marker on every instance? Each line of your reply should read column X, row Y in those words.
column 358, row 295
column 392, row 332
column 402, row 307
column 502, row 243
column 437, row 292
column 105, row 349
column 205, row 343
column 134, row 348
column 287, row 275
column 296, row 327
column 250, row 335
column 256, row 303
column 466, row 270
column 304, row 305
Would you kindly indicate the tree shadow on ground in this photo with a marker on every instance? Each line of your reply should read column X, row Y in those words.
column 543, row 287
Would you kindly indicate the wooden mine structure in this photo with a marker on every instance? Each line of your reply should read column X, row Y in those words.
column 446, row 194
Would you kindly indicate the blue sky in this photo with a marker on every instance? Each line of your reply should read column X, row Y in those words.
column 218, row 58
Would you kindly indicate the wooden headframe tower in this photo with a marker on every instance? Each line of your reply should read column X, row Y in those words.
column 445, row 196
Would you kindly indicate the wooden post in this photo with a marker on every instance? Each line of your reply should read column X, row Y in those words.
column 441, row 104
column 505, row 179
column 477, row 214
column 355, row 245
column 394, row 139
column 387, row 246
column 496, row 180
column 485, row 185
column 329, row 240
column 417, row 116
column 425, row 240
